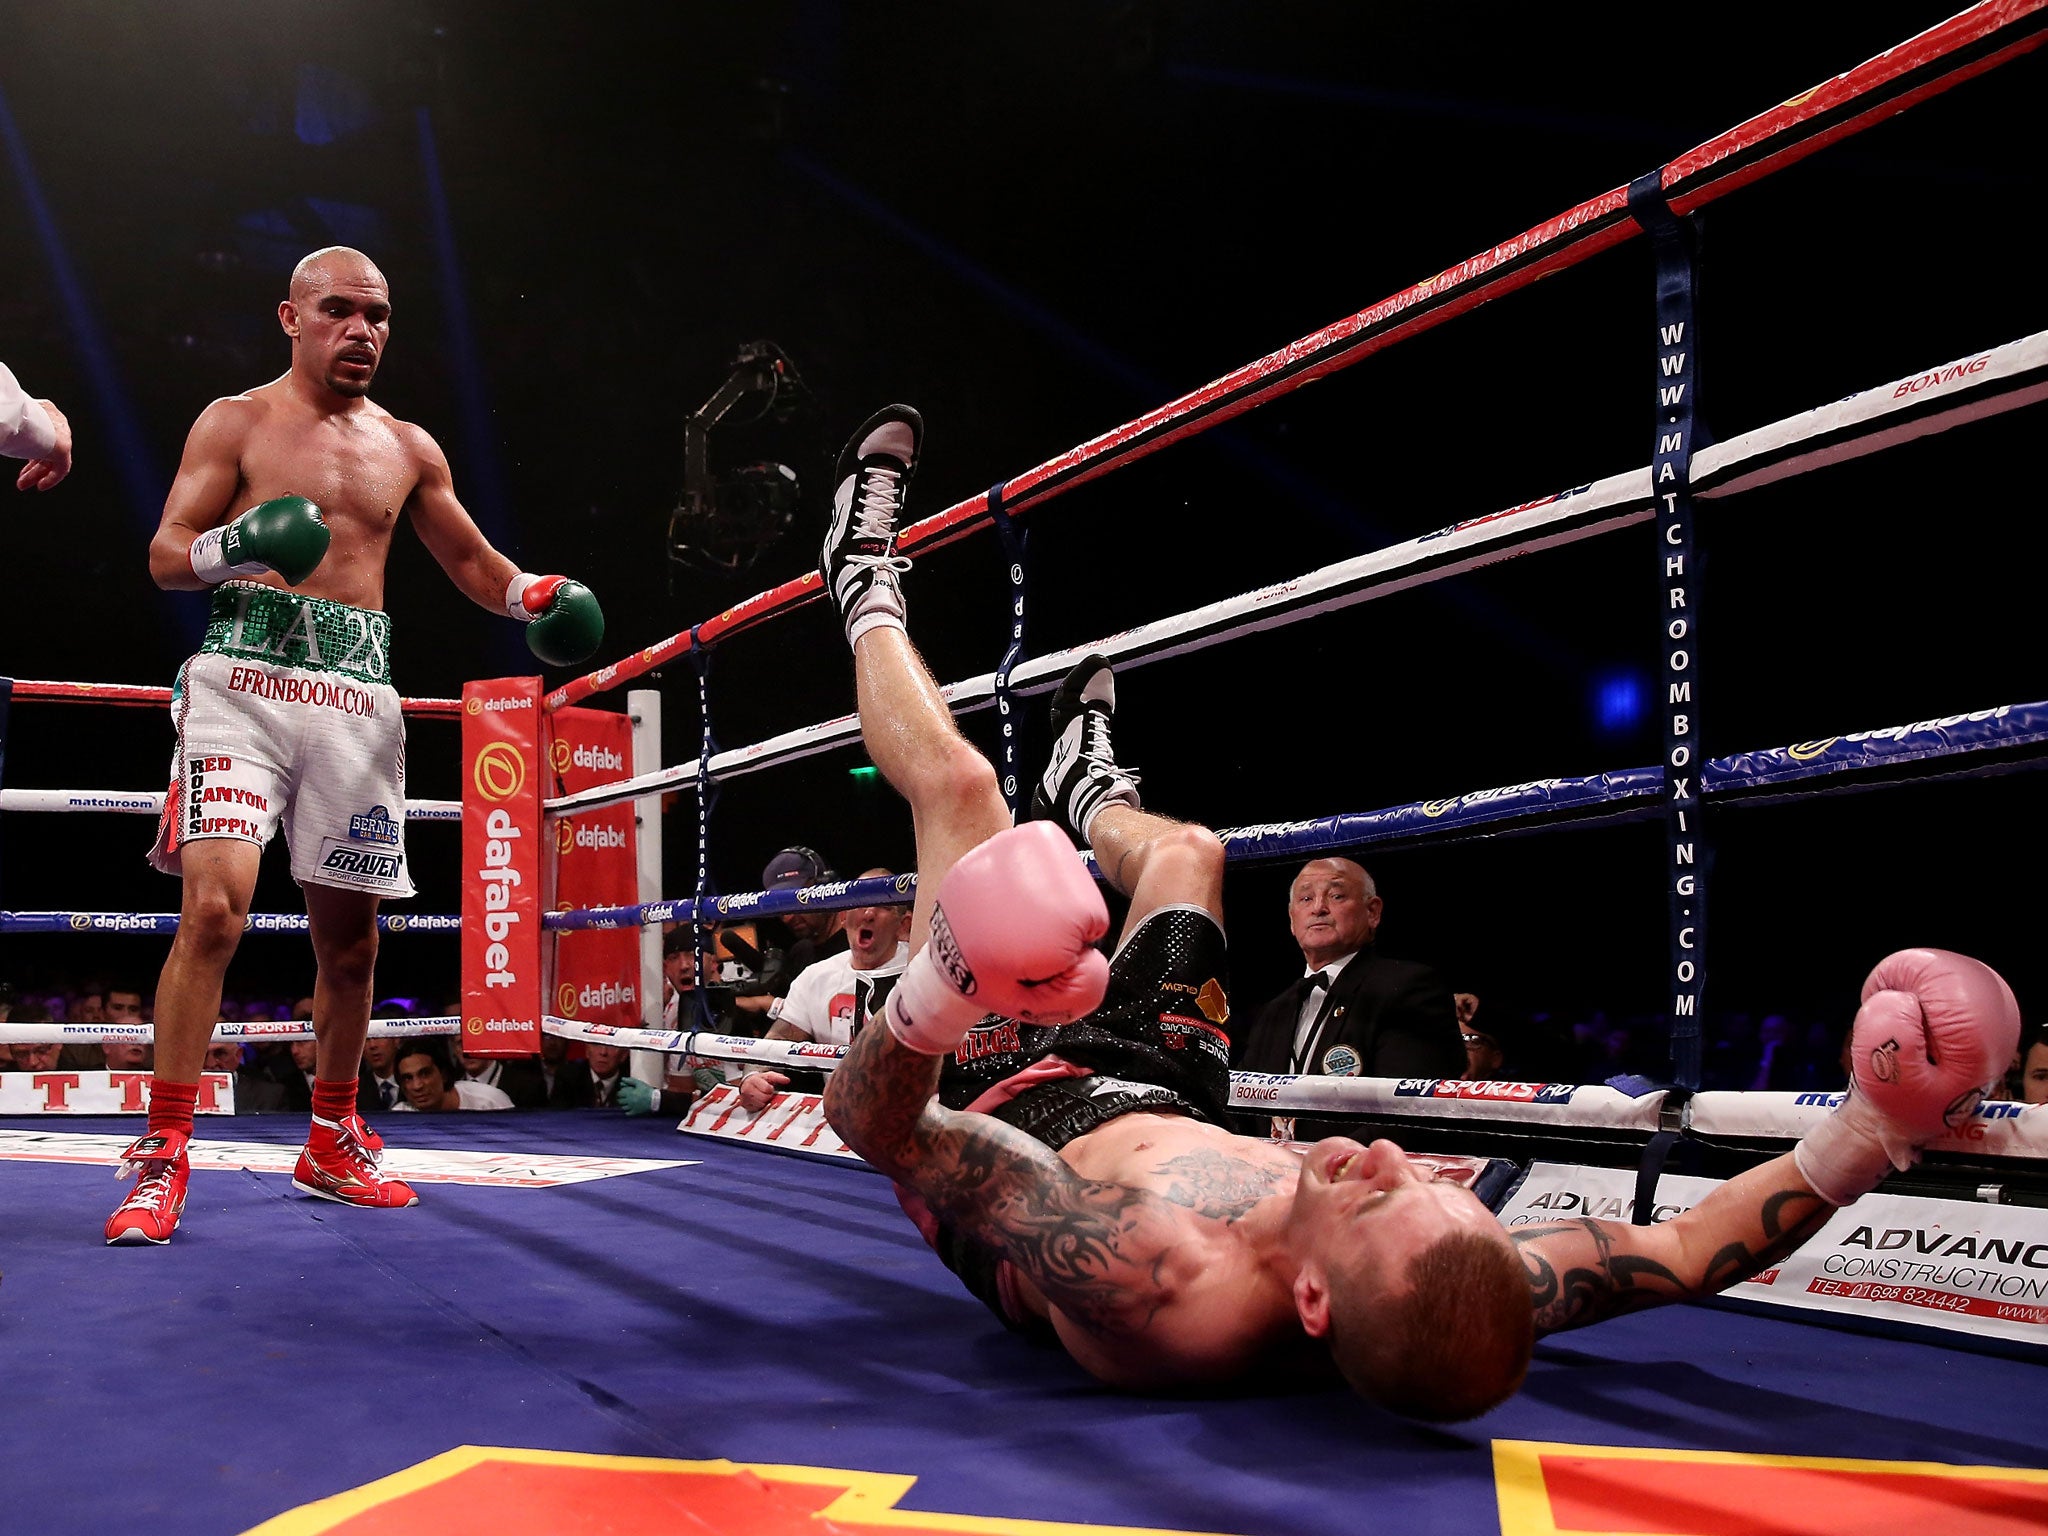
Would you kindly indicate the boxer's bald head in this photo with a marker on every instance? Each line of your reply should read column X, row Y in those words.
column 1442, row 1338
column 1415, row 1287
column 338, row 315
column 318, row 271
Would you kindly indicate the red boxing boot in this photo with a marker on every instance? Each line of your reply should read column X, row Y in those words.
column 150, row 1213
column 339, row 1164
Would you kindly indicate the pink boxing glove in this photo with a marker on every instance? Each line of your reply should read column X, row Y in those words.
column 1934, row 1033
column 1013, row 933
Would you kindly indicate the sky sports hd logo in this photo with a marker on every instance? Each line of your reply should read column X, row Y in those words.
column 1506, row 1093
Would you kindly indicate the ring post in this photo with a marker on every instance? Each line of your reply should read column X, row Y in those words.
column 706, row 793
column 1016, row 545
column 643, row 708
column 1689, row 853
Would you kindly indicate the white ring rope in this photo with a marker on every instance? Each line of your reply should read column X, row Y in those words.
column 1997, row 1130
column 2004, row 378
column 150, row 802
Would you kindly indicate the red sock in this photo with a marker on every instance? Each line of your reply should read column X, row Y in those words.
column 170, row 1105
column 331, row 1101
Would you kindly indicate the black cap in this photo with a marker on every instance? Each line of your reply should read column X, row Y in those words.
column 794, row 868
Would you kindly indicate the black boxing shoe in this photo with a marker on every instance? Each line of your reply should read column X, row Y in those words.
column 860, row 565
column 1082, row 775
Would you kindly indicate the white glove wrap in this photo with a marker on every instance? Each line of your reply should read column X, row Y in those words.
column 211, row 567
column 1848, row 1154
column 925, row 1010
column 515, row 597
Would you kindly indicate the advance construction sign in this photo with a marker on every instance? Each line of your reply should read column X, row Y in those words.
column 1953, row 1264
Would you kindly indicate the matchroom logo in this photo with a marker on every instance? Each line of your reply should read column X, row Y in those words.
column 500, row 771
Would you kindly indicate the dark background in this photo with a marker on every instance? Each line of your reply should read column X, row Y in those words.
column 1034, row 222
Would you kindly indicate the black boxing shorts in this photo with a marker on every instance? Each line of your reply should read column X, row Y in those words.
column 1162, row 1023
column 1158, row 1043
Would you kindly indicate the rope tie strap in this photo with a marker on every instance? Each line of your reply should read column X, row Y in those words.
column 1016, row 546
column 1675, row 244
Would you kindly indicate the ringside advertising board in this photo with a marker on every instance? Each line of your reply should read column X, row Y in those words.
column 501, row 867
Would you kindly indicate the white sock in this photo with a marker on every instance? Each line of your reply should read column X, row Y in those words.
column 880, row 607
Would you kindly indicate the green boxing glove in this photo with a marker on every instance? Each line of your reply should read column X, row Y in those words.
column 286, row 534
column 564, row 625
column 635, row 1097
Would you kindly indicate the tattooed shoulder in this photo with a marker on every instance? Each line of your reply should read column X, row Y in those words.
column 1216, row 1184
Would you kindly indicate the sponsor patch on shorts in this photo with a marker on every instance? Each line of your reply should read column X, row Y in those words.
column 351, row 863
column 376, row 825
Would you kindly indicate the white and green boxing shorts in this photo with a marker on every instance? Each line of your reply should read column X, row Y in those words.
column 287, row 716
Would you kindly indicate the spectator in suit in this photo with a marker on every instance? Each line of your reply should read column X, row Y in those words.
column 1355, row 1012
column 297, row 1075
column 519, row 1079
column 255, row 1094
column 607, row 1064
column 568, row 1082
column 379, row 1090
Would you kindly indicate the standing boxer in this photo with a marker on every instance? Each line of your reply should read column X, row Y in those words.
column 284, row 505
column 1055, row 1118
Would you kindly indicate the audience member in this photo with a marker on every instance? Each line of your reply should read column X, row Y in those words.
column 39, row 1058
column 298, row 1073
column 833, row 998
column 813, row 935
column 607, row 1064
column 519, row 1079
column 255, row 1093
column 89, row 1004
column 1354, row 1012
column 678, row 978
column 126, row 1055
column 1485, row 1060
column 427, row 1090
column 1779, row 1066
column 378, row 1087
column 2030, row 1085
column 568, row 1082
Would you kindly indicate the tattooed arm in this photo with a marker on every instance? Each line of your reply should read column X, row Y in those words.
column 1583, row 1271
column 1103, row 1254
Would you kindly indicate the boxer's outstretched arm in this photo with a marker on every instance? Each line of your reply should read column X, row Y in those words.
column 1934, row 1031
column 1100, row 1252
column 1583, row 1271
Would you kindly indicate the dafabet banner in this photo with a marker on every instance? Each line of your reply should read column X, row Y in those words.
column 597, row 970
column 501, row 867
